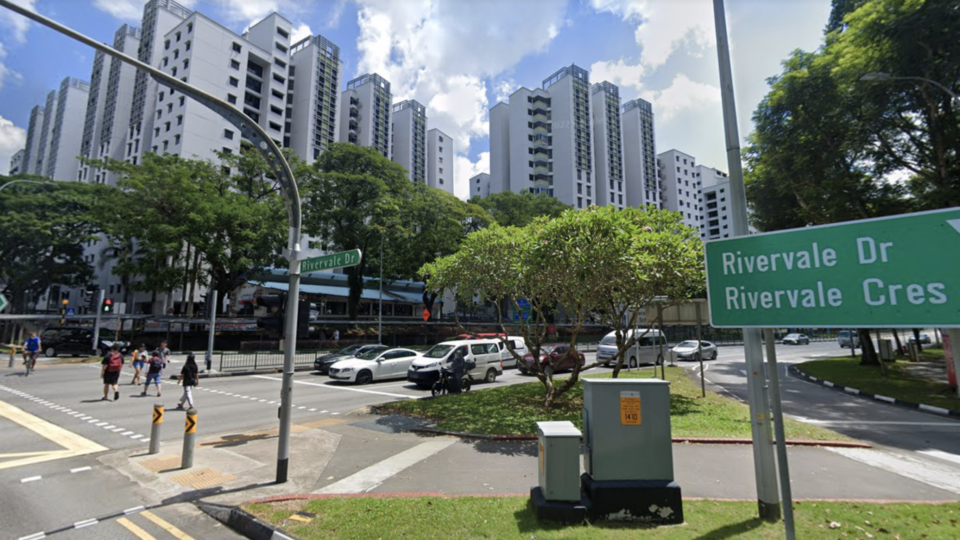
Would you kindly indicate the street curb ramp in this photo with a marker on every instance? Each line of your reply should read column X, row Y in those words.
column 243, row 522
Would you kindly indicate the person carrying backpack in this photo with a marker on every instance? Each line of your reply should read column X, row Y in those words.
column 189, row 379
column 154, row 372
column 31, row 348
column 110, row 369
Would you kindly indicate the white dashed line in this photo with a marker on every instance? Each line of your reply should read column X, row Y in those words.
column 30, row 479
column 133, row 510
column 80, row 469
column 85, row 523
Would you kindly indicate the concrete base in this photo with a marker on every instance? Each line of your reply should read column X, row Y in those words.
column 649, row 501
column 564, row 512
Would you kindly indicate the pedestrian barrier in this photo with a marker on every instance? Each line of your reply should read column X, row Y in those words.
column 155, row 428
column 189, row 436
column 236, row 361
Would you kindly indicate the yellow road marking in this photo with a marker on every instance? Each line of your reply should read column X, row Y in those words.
column 132, row 527
column 175, row 532
column 23, row 454
column 73, row 444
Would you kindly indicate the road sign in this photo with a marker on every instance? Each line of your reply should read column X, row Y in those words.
column 426, row 315
column 329, row 262
column 71, row 312
column 899, row 271
column 3, row 302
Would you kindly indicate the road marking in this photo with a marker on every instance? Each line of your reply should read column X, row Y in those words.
column 30, row 479
column 942, row 455
column 374, row 475
column 80, row 469
column 133, row 510
column 130, row 526
column 945, row 478
column 85, row 523
column 175, row 532
column 874, row 422
column 73, row 444
column 35, row 536
column 339, row 387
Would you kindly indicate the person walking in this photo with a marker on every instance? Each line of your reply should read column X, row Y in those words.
column 188, row 378
column 164, row 352
column 457, row 366
column 31, row 349
column 110, row 369
column 336, row 337
column 154, row 372
column 139, row 360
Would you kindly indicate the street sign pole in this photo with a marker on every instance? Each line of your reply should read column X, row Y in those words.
column 96, row 324
column 763, row 460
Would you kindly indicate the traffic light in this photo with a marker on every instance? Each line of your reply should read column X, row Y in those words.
column 276, row 313
column 303, row 320
column 107, row 305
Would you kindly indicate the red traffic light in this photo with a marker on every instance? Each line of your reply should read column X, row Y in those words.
column 107, row 305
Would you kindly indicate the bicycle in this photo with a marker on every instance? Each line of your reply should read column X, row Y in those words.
column 442, row 386
column 30, row 361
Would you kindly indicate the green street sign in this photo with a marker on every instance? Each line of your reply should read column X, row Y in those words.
column 329, row 262
column 899, row 271
column 3, row 302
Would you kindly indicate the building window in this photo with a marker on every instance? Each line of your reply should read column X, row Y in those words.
column 237, row 48
column 441, row 183
column 227, row 150
column 166, row 44
column 232, row 99
column 179, row 119
column 176, row 139
column 186, row 46
column 234, row 64
column 182, row 101
column 234, row 81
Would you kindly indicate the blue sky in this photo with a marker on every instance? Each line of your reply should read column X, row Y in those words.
column 459, row 57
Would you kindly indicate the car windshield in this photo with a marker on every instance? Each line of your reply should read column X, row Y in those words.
column 545, row 349
column 609, row 340
column 369, row 355
column 687, row 345
column 438, row 351
column 793, row 336
column 349, row 350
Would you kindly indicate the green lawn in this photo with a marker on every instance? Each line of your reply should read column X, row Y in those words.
column 897, row 383
column 512, row 517
column 516, row 409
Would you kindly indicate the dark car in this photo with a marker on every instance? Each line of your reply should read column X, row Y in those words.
column 77, row 341
column 323, row 363
column 559, row 355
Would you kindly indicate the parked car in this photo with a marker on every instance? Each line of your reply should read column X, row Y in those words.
column 646, row 350
column 373, row 365
column 323, row 363
column 689, row 350
column 484, row 353
column 559, row 355
column 77, row 341
column 848, row 339
column 796, row 339
column 923, row 338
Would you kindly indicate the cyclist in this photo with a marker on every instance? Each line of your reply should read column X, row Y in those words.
column 31, row 349
column 457, row 367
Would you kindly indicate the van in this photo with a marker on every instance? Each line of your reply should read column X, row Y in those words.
column 507, row 343
column 646, row 350
column 848, row 338
column 484, row 353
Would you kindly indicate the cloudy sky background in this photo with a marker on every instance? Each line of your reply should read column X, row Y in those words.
column 460, row 57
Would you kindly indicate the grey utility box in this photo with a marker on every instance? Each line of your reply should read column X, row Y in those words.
column 559, row 466
column 626, row 429
column 886, row 350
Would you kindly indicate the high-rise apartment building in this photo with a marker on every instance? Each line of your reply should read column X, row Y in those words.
column 365, row 113
column 16, row 164
column 32, row 147
column 607, row 144
column 66, row 132
column 716, row 220
column 479, row 186
column 573, row 175
column 681, row 186
column 313, row 111
column 440, row 167
column 43, row 146
column 408, row 138
column 640, row 154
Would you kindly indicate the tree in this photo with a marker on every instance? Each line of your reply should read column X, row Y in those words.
column 511, row 209
column 352, row 197
column 592, row 261
column 44, row 229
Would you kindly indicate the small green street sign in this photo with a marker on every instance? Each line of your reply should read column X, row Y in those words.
column 334, row 260
column 3, row 302
column 899, row 271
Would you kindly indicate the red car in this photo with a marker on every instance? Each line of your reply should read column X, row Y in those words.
column 559, row 355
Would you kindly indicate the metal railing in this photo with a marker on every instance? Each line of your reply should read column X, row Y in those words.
column 235, row 361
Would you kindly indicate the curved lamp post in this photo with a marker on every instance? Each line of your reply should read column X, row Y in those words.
column 254, row 133
column 10, row 183
column 881, row 76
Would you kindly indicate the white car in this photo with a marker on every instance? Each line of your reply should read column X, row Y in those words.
column 374, row 365
column 688, row 350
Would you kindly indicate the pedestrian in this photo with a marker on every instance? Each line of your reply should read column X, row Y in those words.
column 323, row 336
column 110, row 369
column 188, row 378
column 139, row 360
column 457, row 366
column 164, row 352
column 336, row 337
column 31, row 349
column 154, row 372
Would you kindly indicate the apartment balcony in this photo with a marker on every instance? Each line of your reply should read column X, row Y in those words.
column 541, row 170
column 542, row 117
column 541, row 130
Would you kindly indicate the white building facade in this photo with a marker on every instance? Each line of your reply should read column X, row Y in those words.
column 607, row 145
column 64, row 132
column 365, row 113
column 313, row 113
column 16, row 164
column 640, row 154
column 440, row 160
column 716, row 220
column 681, row 186
column 479, row 186
column 408, row 138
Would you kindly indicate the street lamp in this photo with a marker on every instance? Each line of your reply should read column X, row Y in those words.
column 881, row 76
column 10, row 183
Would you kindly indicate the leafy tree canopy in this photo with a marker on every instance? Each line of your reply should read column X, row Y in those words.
column 511, row 209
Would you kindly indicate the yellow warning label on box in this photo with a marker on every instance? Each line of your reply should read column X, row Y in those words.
column 541, row 457
column 630, row 409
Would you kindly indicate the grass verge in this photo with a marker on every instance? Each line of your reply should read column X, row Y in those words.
column 516, row 409
column 513, row 517
column 897, row 383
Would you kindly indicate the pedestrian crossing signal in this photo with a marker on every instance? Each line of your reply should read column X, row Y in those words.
column 107, row 305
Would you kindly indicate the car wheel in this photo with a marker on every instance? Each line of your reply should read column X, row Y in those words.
column 51, row 352
column 714, row 357
column 633, row 362
column 491, row 376
column 696, row 357
column 364, row 377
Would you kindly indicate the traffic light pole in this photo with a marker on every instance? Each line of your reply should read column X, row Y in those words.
column 96, row 324
column 253, row 132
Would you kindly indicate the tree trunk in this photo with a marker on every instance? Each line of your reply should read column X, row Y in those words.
column 868, row 354
column 355, row 283
column 916, row 339
column 896, row 338
column 184, row 311
column 193, row 284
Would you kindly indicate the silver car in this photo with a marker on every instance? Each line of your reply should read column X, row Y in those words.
column 795, row 339
column 688, row 350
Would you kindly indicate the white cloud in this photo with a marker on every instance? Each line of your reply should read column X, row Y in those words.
column 682, row 94
column 12, row 139
column 125, row 10
column 663, row 27
column 252, row 11
column 464, row 169
column 300, row 32
column 440, row 53
column 4, row 70
column 16, row 22
column 619, row 73
column 504, row 88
